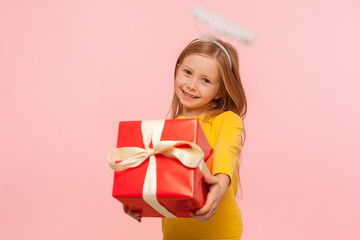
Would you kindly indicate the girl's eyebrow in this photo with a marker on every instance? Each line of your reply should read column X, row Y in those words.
column 187, row 67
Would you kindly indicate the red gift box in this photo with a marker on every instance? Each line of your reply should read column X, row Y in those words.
column 168, row 181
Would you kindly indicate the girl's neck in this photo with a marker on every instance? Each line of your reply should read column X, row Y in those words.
column 193, row 113
column 191, row 116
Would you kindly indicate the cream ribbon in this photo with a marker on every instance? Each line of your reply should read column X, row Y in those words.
column 130, row 157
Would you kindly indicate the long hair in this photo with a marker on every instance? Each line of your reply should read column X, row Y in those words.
column 232, row 93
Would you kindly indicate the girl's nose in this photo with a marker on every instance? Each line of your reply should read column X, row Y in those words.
column 192, row 85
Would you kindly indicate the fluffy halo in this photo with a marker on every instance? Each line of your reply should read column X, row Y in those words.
column 222, row 26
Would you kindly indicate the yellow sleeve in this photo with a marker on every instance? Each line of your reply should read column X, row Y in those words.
column 228, row 145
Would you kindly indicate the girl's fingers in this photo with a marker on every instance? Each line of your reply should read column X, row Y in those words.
column 138, row 219
column 209, row 203
column 126, row 208
column 204, row 218
column 204, row 209
column 134, row 214
column 208, row 206
column 211, row 180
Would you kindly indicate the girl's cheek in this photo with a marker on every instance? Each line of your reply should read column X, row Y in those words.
column 180, row 81
column 177, row 82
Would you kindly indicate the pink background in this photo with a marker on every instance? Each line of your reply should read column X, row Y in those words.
column 70, row 70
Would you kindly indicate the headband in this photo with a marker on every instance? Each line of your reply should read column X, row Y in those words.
column 218, row 44
column 222, row 27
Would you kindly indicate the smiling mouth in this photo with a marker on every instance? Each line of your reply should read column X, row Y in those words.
column 188, row 94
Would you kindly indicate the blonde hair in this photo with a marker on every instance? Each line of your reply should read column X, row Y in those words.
column 232, row 93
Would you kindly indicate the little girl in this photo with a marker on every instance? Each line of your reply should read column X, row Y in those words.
column 208, row 87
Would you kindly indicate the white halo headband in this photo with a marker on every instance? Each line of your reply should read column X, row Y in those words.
column 222, row 27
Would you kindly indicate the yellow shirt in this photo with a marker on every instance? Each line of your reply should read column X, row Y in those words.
column 224, row 135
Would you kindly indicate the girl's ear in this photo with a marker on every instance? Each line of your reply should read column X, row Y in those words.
column 218, row 96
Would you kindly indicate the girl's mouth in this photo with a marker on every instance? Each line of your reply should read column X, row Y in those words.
column 188, row 94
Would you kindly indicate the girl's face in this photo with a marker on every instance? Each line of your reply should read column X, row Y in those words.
column 196, row 84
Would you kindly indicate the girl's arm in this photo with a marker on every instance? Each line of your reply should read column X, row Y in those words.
column 219, row 185
column 226, row 155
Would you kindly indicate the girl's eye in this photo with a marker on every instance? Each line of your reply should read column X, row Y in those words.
column 205, row 80
column 187, row 72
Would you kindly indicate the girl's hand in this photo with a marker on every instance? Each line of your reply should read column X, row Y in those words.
column 218, row 187
column 133, row 214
